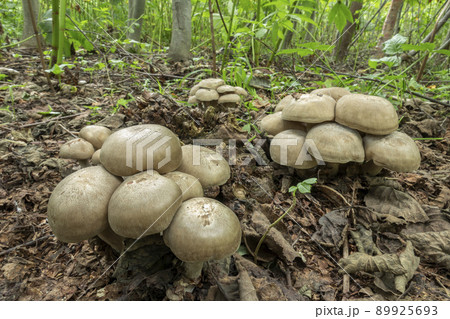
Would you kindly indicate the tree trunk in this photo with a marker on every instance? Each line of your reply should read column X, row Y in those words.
column 136, row 10
column 180, row 44
column 347, row 34
column 388, row 26
column 28, row 30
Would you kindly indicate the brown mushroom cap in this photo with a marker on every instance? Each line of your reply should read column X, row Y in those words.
column 206, row 95
column 139, row 148
column 273, row 124
column 310, row 108
column 203, row 229
column 212, row 83
column 78, row 148
column 208, row 166
column 288, row 99
column 336, row 143
column 369, row 114
column 189, row 185
column 78, row 207
column 396, row 151
column 335, row 92
column 95, row 134
column 144, row 204
column 286, row 149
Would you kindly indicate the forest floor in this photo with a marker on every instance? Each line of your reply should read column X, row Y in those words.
column 299, row 262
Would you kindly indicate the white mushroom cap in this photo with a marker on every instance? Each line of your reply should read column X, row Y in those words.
column 208, row 166
column 203, row 229
column 229, row 98
column 206, row 95
column 310, row 108
column 78, row 148
column 194, row 90
column 144, row 204
column 286, row 148
column 335, row 92
column 223, row 89
column 95, row 159
column 192, row 100
column 369, row 114
column 212, row 83
column 241, row 91
column 336, row 143
column 95, row 135
column 78, row 207
column 189, row 185
column 139, row 148
column 396, row 151
column 288, row 99
column 273, row 124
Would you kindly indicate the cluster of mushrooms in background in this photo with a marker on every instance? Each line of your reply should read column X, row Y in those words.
column 147, row 184
column 144, row 182
column 333, row 126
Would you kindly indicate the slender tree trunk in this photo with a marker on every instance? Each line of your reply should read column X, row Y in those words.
column 310, row 28
column 27, row 25
column 388, row 26
column 136, row 10
column 180, row 43
column 347, row 34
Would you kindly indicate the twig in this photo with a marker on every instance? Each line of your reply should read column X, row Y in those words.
column 213, row 42
column 62, row 126
column 25, row 244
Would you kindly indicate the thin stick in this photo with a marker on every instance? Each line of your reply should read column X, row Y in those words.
column 213, row 42
column 25, row 244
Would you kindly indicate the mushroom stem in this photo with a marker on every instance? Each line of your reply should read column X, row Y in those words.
column 371, row 169
column 83, row 163
column 193, row 270
column 332, row 169
column 112, row 239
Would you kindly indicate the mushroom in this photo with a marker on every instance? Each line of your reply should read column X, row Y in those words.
column 229, row 98
column 203, row 229
column 139, row 148
column 335, row 92
column 273, row 124
column 211, row 83
column 226, row 89
column 78, row 207
column 310, row 108
column 78, row 149
column 369, row 114
column 112, row 239
column 208, row 166
column 189, row 185
column 287, row 149
column 396, row 151
column 206, row 95
column 95, row 135
column 144, row 204
column 95, row 159
column 288, row 99
column 241, row 91
column 335, row 144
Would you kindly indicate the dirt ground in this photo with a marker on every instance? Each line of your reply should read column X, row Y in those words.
column 299, row 262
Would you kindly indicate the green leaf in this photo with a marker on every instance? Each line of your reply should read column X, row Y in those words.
column 304, row 188
column 300, row 52
column 247, row 127
column 418, row 47
column 393, row 46
column 292, row 189
column 340, row 14
column 445, row 52
column 310, row 181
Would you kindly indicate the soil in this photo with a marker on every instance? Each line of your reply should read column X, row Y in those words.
column 35, row 121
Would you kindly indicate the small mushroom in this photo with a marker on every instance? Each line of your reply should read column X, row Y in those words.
column 310, row 108
column 78, row 149
column 194, row 90
column 112, row 239
column 144, row 204
column 193, row 100
column 287, row 148
column 229, row 98
column 226, row 89
column 396, row 151
column 140, row 148
column 206, row 95
column 95, row 135
column 335, row 92
column 335, row 144
column 288, row 99
column 212, row 83
column 78, row 207
column 241, row 91
column 273, row 124
column 369, row 114
column 208, row 166
column 95, row 159
column 189, row 185
column 203, row 229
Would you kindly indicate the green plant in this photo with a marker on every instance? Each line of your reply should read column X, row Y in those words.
column 304, row 188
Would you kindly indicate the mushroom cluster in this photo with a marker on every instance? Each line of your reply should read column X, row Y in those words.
column 215, row 92
column 145, row 183
column 333, row 126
